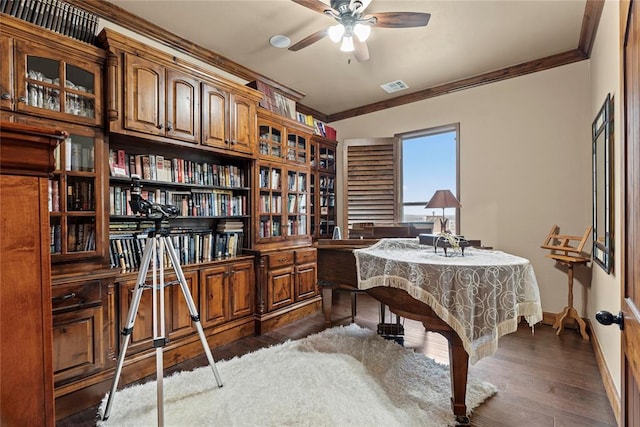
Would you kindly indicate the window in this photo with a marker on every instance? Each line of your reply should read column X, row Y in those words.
column 429, row 163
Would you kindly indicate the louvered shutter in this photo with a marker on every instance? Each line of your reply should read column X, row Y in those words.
column 371, row 179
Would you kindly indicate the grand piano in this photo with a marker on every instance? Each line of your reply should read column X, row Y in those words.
column 417, row 283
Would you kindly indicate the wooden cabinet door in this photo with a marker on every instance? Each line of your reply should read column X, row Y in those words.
column 306, row 279
column 280, row 288
column 214, row 290
column 183, row 107
column 177, row 318
column 243, row 117
column 78, row 348
column 50, row 84
column 26, row 389
column 144, row 93
column 6, row 76
column 242, row 299
column 215, row 126
column 180, row 323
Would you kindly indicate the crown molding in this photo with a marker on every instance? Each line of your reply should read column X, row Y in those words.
column 117, row 15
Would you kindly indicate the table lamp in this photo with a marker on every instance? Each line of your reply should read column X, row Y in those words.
column 443, row 199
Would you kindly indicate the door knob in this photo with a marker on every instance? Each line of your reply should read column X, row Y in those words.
column 606, row 318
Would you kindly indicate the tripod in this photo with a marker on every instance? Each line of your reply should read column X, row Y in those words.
column 157, row 241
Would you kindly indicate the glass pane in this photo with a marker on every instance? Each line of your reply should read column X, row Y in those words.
column 79, row 105
column 54, row 194
column 79, row 153
column 55, row 237
column 79, row 79
column 81, row 235
column 43, row 69
column 80, row 194
column 419, row 183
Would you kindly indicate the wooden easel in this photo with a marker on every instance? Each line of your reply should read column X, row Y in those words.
column 565, row 254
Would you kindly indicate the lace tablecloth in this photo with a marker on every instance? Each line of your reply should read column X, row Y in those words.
column 479, row 295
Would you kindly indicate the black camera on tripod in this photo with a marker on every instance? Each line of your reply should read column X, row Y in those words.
column 144, row 207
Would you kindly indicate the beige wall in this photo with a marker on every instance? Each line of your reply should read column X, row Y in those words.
column 605, row 78
column 525, row 163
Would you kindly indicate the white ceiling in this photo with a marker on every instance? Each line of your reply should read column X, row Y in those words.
column 462, row 39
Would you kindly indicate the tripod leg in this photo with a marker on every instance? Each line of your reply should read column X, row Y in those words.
column 131, row 318
column 195, row 317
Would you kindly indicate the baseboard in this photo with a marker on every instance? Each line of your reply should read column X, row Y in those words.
column 607, row 379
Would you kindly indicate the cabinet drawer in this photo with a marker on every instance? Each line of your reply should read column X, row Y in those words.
column 304, row 256
column 75, row 295
column 280, row 259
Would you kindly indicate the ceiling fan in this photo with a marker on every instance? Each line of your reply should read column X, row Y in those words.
column 353, row 27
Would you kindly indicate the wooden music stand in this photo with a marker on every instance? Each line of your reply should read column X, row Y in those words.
column 565, row 254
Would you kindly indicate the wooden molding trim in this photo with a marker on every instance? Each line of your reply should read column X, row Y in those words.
column 113, row 13
column 482, row 79
column 607, row 379
column 590, row 22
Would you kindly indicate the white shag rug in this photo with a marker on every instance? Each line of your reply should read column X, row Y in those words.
column 344, row 376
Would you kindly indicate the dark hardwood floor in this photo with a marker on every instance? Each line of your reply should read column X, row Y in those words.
column 543, row 380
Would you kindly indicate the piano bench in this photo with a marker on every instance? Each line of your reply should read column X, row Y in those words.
column 326, row 289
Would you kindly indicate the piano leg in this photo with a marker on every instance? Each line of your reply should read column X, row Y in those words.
column 403, row 305
column 458, row 368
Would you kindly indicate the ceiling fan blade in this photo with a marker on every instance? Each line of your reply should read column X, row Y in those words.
column 361, row 51
column 401, row 19
column 315, row 5
column 318, row 35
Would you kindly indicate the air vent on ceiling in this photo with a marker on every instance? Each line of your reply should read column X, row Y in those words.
column 395, row 86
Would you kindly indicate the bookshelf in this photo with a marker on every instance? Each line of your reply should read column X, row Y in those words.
column 323, row 188
column 212, row 194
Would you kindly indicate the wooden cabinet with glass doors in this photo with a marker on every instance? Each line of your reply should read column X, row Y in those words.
column 76, row 207
column 323, row 187
column 47, row 75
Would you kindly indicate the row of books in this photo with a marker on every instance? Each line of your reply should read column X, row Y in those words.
column 327, row 182
column 55, row 15
column 78, row 156
column 126, row 250
column 80, row 195
column 297, row 227
column 273, row 227
column 274, row 101
column 270, row 178
column 296, row 182
column 155, row 167
column 270, row 227
column 80, row 237
column 320, row 128
column 272, row 204
column 197, row 203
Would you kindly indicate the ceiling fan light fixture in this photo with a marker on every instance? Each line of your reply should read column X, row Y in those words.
column 347, row 44
column 362, row 31
column 336, row 32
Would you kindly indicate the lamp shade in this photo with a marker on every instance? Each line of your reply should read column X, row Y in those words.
column 443, row 199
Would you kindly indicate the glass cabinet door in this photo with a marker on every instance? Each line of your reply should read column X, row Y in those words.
column 270, row 141
column 297, row 148
column 52, row 87
column 75, row 198
column 297, row 203
column 270, row 204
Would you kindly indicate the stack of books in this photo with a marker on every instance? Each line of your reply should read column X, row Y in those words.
column 273, row 100
column 55, row 15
